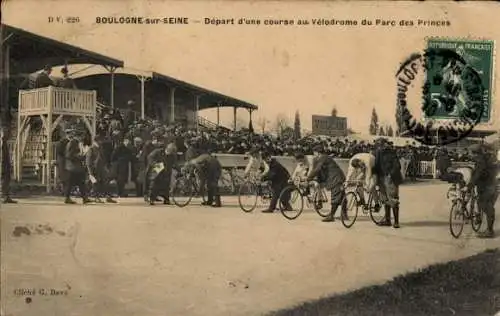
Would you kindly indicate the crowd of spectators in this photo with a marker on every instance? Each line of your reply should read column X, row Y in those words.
column 222, row 140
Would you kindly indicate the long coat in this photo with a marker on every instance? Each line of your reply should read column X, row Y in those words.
column 96, row 162
column 277, row 174
column 74, row 159
column 328, row 171
column 387, row 164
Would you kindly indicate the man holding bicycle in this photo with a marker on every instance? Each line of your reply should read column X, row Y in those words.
column 484, row 178
column 329, row 175
column 278, row 176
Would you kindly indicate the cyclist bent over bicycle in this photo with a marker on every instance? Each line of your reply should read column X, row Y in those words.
column 361, row 169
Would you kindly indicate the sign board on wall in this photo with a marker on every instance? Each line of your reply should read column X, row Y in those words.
column 329, row 125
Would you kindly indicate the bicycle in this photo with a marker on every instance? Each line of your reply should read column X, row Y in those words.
column 255, row 190
column 464, row 208
column 186, row 185
column 352, row 202
column 300, row 190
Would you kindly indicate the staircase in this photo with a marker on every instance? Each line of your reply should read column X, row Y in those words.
column 209, row 125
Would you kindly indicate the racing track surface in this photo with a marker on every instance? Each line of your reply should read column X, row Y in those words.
column 134, row 259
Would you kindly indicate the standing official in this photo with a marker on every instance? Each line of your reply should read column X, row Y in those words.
column 212, row 169
column 98, row 171
column 388, row 170
column 75, row 169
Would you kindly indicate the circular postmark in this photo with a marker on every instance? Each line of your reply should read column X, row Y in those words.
column 451, row 98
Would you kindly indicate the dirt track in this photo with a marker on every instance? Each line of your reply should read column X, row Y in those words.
column 132, row 259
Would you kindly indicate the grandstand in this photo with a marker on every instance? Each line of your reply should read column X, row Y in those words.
column 41, row 112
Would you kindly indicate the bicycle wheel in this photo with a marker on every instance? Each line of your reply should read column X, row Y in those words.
column 296, row 205
column 377, row 215
column 476, row 215
column 319, row 200
column 182, row 192
column 351, row 209
column 457, row 219
column 247, row 196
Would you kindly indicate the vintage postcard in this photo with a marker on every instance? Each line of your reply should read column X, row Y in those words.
column 249, row 158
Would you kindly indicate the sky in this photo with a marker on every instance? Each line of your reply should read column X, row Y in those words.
column 282, row 69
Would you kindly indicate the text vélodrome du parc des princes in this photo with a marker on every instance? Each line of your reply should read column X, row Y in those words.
column 219, row 21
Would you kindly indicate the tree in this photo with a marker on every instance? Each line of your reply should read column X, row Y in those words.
column 389, row 131
column 381, row 131
column 334, row 112
column 374, row 127
column 281, row 124
column 296, row 126
column 262, row 124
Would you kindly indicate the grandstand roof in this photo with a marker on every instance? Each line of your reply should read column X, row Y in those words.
column 209, row 99
column 30, row 52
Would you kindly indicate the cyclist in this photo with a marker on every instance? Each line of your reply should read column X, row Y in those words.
column 278, row 176
column 361, row 169
column 329, row 175
column 300, row 173
column 255, row 164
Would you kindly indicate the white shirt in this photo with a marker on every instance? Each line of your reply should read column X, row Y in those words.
column 254, row 165
column 368, row 161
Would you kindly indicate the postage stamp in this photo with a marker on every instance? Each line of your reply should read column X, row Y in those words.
column 456, row 77
column 450, row 96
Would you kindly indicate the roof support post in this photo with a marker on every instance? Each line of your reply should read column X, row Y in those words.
column 196, row 110
column 142, row 79
column 218, row 114
column 172, row 104
column 235, row 109
column 112, row 71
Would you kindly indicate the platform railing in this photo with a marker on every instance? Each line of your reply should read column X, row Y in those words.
column 57, row 101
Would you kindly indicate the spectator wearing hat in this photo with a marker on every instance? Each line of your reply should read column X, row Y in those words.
column 98, row 171
column 210, row 166
column 484, row 179
column 159, row 174
column 388, row 171
column 66, row 82
column 278, row 176
column 75, row 170
column 329, row 175
column 43, row 78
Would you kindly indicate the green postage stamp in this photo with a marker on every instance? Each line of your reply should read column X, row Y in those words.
column 446, row 76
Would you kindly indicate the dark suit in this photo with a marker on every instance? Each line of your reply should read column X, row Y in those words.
column 278, row 176
column 75, row 169
column 95, row 162
column 62, row 174
column 484, row 178
column 43, row 80
column 329, row 174
column 388, row 170
column 121, row 158
column 212, row 169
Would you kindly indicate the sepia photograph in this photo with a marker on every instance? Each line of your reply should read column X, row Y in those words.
column 248, row 157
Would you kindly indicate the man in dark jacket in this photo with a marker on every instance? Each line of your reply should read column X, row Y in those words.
column 329, row 175
column 43, row 78
column 484, row 178
column 212, row 169
column 6, row 167
column 75, row 170
column 121, row 159
column 136, row 167
column 61, row 160
column 98, row 171
column 388, row 171
column 156, row 174
column 277, row 174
